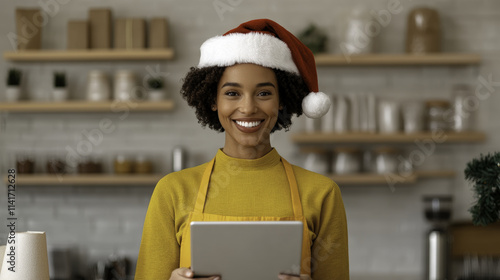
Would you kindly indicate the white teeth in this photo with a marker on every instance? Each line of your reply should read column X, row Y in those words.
column 248, row 124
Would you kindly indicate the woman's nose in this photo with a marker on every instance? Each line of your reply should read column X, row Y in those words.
column 248, row 105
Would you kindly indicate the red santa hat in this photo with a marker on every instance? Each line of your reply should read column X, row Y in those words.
column 266, row 43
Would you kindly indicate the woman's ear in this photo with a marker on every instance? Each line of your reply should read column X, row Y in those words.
column 214, row 107
column 280, row 107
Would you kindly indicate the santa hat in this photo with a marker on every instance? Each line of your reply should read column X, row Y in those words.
column 266, row 43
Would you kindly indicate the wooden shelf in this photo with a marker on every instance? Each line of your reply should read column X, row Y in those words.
column 89, row 55
column 90, row 179
column 86, row 106
column 378, row 179
column 397, row 59
column 375, row 138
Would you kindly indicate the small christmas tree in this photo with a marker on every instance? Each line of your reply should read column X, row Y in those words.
column 484, row 172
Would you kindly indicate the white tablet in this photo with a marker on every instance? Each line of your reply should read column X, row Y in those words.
column 246, row 250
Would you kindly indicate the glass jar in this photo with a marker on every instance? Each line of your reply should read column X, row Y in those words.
column 316, row 160
column 98, row 86
column 125, row 85
column 465, row 105
column 122, row 165
column 346, row 160
column 423, row 33
column 413, row 116
column 438, row 115
column 359, row 32
column 142, row 165
column 385, row 160
column 389, row 119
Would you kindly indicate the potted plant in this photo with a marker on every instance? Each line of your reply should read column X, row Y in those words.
column 60, row 92
column 156, row 88
column 13, row 92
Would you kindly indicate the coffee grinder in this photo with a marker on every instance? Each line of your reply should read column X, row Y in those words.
column 438, row 213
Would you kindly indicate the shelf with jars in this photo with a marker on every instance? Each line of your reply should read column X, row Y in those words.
column 89, row 55
column 86, row 106
column 87, row 179
column 381, row 138
column 390, row 59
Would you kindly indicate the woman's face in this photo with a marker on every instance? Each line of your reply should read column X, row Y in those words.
column 247, row 105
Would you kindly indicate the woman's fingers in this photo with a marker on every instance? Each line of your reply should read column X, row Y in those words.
column 184, row 272
column 290, row 277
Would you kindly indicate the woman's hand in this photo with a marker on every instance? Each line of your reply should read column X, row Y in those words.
column 290, row 277
column 186, row 273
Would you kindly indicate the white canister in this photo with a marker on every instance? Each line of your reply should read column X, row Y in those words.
column 389, row 120
column 346, row 160
column 413, row 116
column 98, row 86
column 465, row 106
column 316, row 160
column 125, row 85
column 341, row 120
column 360, row 29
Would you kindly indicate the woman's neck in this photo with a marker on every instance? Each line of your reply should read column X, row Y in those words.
column 247, row 152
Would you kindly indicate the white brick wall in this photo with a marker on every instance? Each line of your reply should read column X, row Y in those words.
column 386, row 229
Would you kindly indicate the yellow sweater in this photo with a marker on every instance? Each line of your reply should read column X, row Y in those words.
column 240, row 187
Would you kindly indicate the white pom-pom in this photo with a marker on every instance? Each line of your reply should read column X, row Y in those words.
column 316, row 104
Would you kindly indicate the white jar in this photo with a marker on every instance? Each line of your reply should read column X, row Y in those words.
column 316, row 161
column 413, row 116
column 385, row 160
column 465, row 106
column 97, row 86
column 346, row 160
column 389, row 120
column 360, row 29
column 125, row 85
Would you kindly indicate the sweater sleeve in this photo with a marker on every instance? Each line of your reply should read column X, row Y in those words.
column 330, row 258
column 159, row 251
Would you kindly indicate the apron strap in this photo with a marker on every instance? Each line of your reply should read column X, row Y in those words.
column 294, row 190
column 202, row 193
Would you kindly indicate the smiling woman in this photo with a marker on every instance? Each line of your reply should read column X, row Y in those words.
column 248, row 84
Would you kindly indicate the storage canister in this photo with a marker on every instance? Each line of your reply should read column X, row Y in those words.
column 98, row 88
column 438, row 115
column 316, row 160
column 385, row 160
column 346, row 160
column 125, row 85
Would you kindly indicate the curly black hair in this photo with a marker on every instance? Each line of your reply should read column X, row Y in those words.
column 200, row 91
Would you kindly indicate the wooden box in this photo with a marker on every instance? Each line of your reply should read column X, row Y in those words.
column 77, row 35
column 100, row 28
column 158, row 33
column 29, row 29
column 130, row 33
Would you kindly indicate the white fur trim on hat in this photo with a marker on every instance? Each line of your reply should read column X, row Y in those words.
column 256, row 48
column 316, row 104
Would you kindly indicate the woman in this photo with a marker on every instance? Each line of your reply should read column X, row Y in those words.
column 248, row 84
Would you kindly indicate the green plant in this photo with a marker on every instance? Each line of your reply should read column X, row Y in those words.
column 14, row 77
column 485, row 173
column 314, row 38
column 155, row 83
column 59, row 79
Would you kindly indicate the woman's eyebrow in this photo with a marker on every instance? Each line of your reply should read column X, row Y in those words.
column 229, row 84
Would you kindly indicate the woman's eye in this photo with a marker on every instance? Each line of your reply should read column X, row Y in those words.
column 264, row 93
column 231, row 93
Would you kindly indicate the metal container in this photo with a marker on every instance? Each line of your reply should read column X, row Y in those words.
column 437, row 254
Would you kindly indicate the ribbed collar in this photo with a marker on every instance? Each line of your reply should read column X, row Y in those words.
column 267, row 161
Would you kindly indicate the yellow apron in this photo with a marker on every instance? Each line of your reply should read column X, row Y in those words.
column 198, row 215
